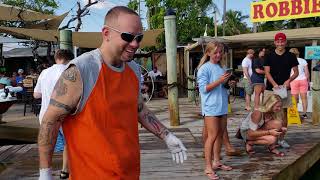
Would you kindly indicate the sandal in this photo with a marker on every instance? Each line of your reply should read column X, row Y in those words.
column 222, row 167
column 275, row 151
column 212, row 175
column 249, row 149
column 64, row 175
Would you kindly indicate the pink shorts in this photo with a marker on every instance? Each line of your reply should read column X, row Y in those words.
column 299, row 86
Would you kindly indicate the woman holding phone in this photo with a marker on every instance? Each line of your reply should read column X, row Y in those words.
column 211, row 78
column 264, row 126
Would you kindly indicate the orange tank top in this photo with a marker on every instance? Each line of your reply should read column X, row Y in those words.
column 102, row 140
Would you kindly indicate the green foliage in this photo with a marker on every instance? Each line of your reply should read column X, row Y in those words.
column 234, row 23
column 191, row 17
column 289, row 24
column 133, row 5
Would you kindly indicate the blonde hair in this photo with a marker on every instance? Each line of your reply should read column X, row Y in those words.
column 211, row 46
column 295, row 51
column 269, row 103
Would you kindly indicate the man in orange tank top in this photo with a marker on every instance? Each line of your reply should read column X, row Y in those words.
column 97, row 100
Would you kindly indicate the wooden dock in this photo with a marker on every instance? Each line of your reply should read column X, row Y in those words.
column 21, row 161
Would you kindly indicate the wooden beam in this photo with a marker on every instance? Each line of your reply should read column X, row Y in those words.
column 315, row 77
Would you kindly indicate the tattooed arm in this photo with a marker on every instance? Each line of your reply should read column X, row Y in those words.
column 152, row 124
column 150, row 121
column 64, row 99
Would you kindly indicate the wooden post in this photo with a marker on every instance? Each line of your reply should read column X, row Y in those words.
column 171, row 52
column 215, row 25
column 66, row 39
column 224, row 17
column 315, row 77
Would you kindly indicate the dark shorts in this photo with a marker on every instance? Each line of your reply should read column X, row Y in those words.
column 220, row 116
column 256, row 79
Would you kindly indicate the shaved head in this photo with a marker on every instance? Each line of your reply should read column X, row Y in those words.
column 113, row 14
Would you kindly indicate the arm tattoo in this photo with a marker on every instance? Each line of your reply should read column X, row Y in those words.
column 60, row 105
column 61, row 88
column 70, row 74
column 46, row 133
column 151, row 123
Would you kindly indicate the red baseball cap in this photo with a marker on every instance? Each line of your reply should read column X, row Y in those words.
column 280, row 36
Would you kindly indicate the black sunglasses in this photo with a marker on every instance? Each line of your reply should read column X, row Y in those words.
column 128, row 37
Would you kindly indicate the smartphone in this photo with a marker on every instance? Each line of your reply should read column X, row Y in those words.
column 229, row 70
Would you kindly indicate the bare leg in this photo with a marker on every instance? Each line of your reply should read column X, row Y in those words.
column 258, row 89
column 248, row 101
column 212, row 126
column 218, row 143
column 65, row 160
column 225, row 138
column 296, row 97
column 304, row 102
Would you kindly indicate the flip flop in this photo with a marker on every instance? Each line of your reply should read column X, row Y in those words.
column 222, row 167
column 276, row 152
column 250, row 151
column 212, row 175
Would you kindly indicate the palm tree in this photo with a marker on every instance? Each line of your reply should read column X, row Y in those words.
column 235, row 23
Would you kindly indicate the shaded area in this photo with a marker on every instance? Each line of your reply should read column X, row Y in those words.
column 313, row 172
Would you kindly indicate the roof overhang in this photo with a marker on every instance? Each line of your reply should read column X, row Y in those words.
column 80, row 39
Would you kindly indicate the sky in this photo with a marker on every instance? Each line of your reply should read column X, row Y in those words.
column 94, row 21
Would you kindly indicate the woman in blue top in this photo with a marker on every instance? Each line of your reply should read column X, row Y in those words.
column 214, row 103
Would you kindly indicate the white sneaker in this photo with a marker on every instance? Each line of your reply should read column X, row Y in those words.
column 283, row 143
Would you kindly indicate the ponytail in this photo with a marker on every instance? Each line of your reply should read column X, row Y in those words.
column 203, row 60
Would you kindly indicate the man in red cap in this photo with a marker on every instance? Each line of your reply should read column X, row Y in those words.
column 277, row 66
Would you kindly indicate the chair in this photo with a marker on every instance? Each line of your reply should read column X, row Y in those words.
column 27, row 99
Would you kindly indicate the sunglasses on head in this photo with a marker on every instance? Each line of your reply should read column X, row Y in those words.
column 128, row 37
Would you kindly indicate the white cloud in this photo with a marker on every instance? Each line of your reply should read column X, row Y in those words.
column 102, row 4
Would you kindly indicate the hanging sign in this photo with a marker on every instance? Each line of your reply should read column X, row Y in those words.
column 312, row 52
column 273, row 10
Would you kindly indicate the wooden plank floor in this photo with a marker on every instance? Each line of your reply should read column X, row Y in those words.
column 21, row 161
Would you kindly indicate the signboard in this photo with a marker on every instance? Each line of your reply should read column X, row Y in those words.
column 312, row 52
column 273, row 10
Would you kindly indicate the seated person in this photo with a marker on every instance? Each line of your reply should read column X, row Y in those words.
column 20, row 77
column 154, row 73
column 144, row 92
column 263, row 126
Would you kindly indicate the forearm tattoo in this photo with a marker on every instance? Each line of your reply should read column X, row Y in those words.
column 46, row 133
column 60, row 105
column 150, row 122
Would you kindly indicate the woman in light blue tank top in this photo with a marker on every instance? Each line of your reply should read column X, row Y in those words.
column 214, row 104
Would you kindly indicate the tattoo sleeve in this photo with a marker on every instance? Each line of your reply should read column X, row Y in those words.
column 150, row 122
column 46, row 140
column 64, row 98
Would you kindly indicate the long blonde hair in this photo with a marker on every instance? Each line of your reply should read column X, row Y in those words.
column 269, row 103
column 211, row 46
